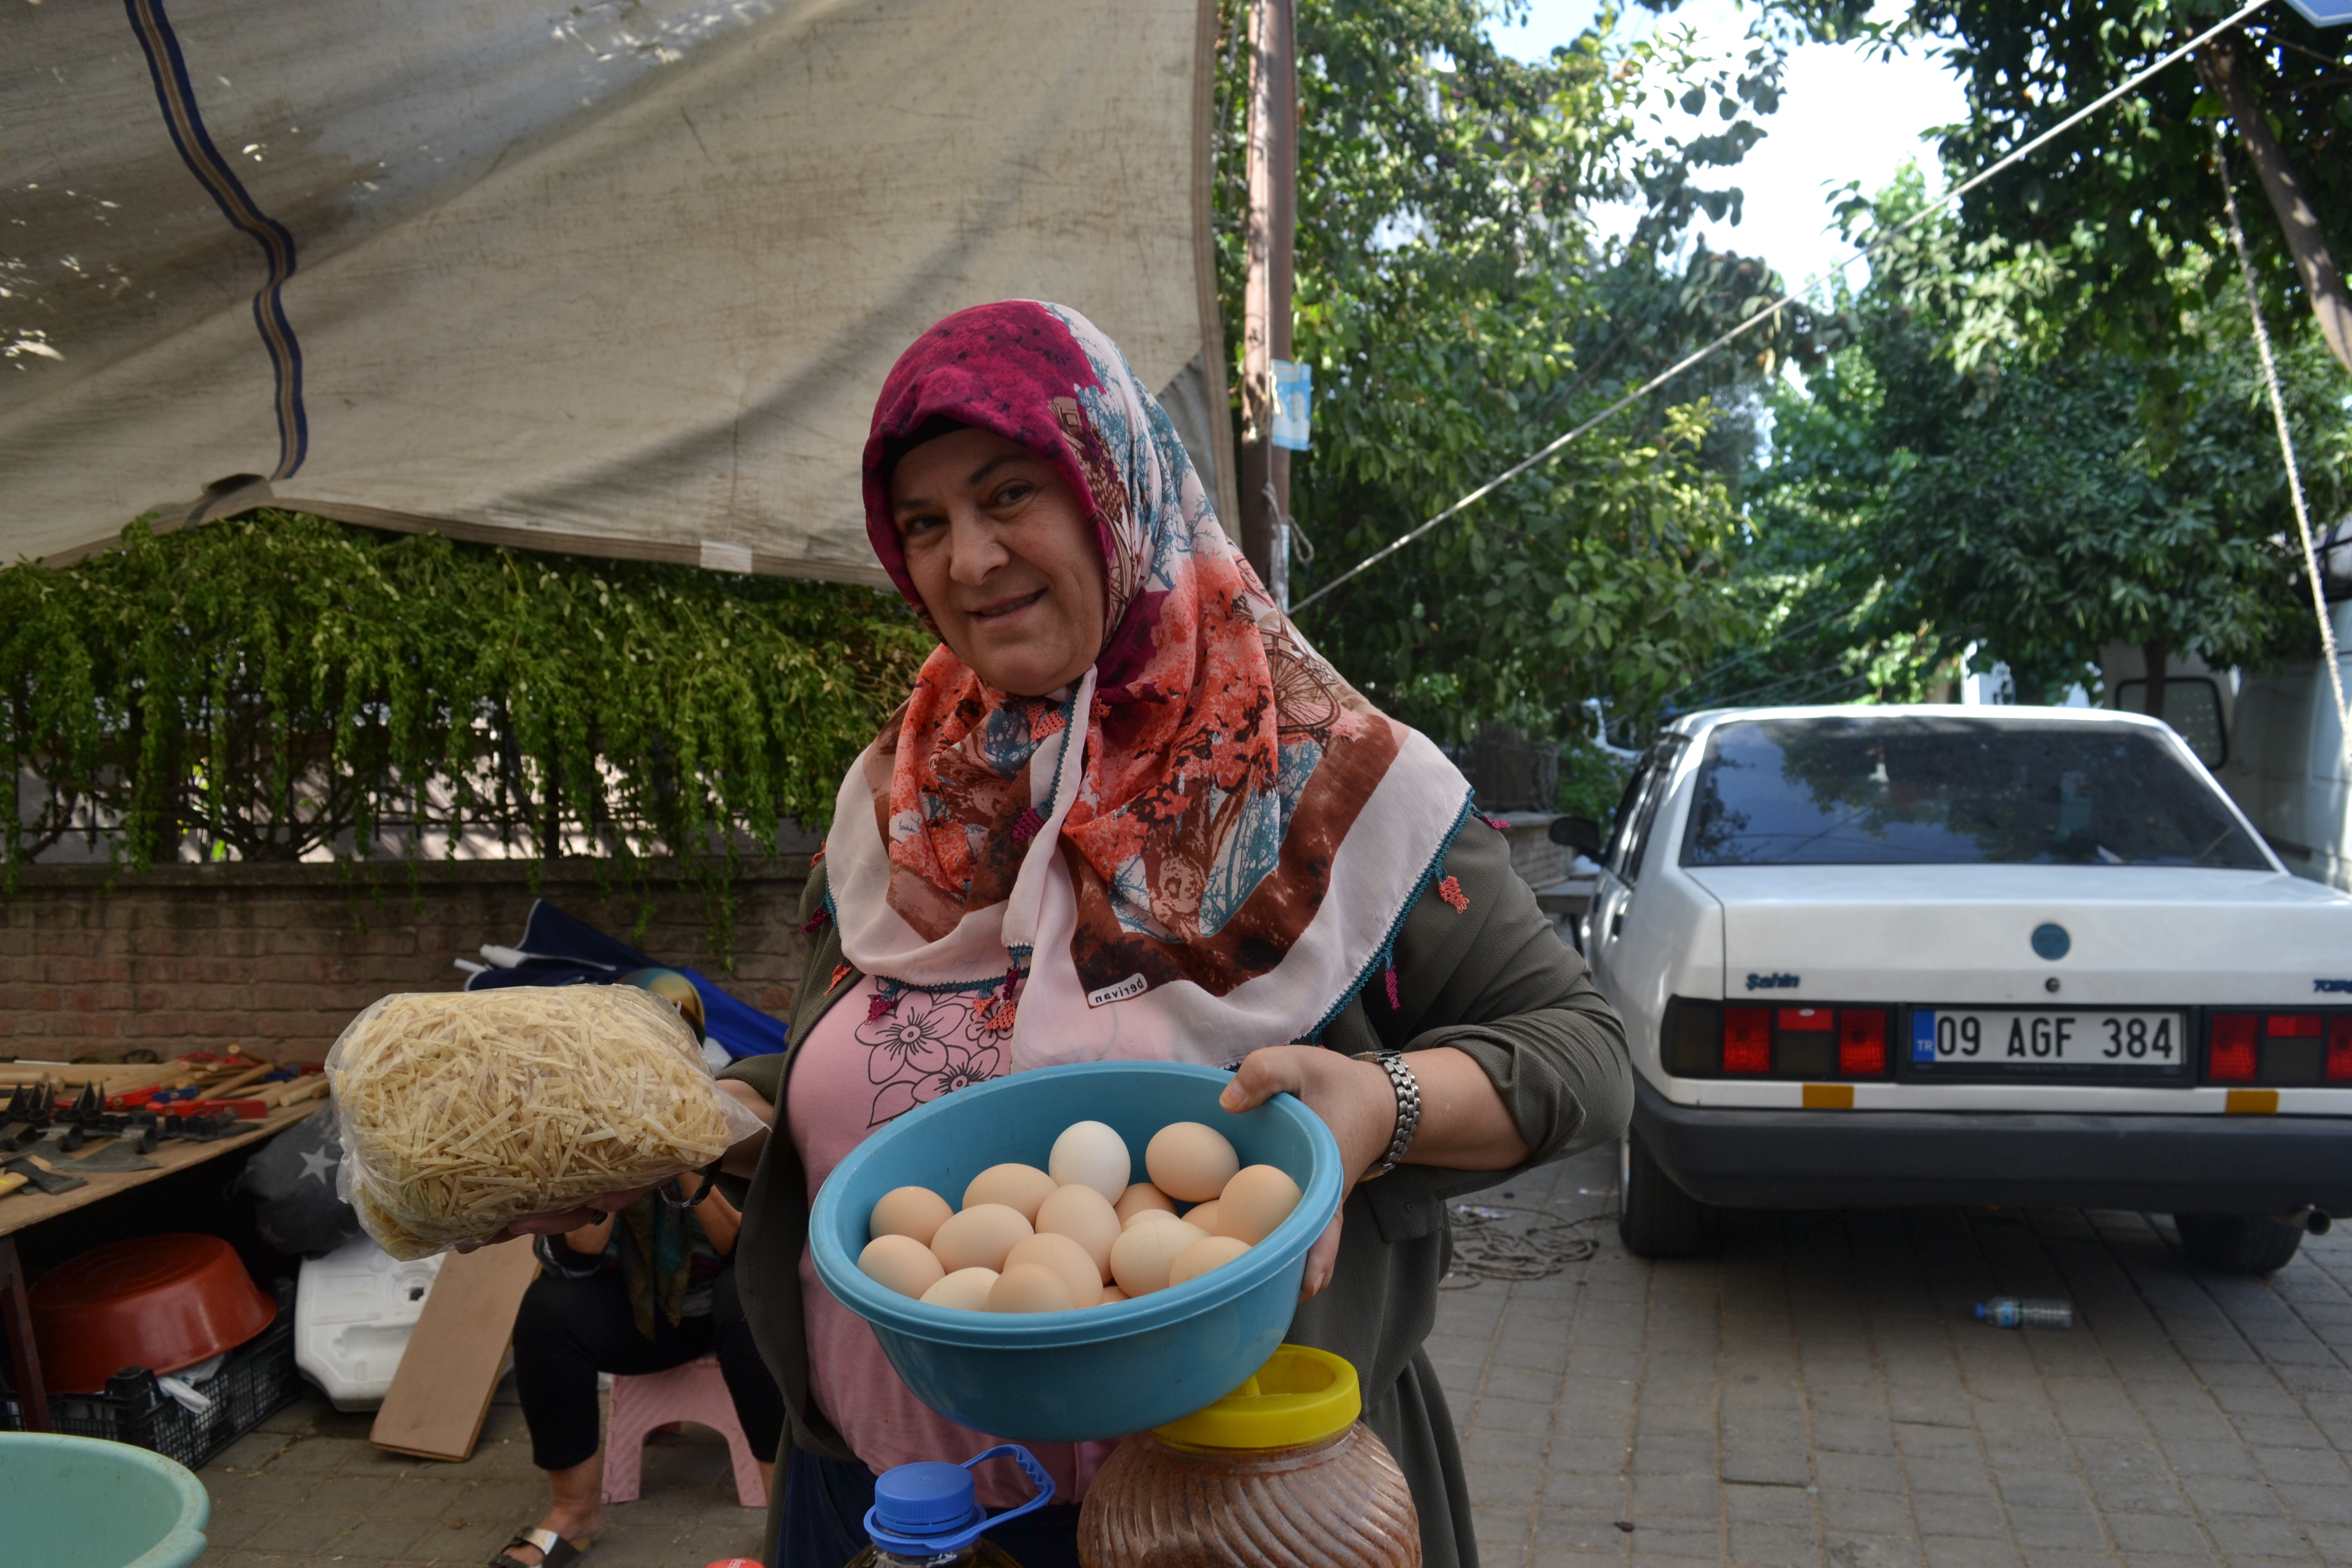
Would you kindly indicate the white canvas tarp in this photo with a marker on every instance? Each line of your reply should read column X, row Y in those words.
column 614, row 278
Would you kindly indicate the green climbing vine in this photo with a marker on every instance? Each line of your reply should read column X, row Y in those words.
column 280, row 687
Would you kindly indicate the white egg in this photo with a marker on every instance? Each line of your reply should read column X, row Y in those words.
column 902, row 1263
column 1210, row 1252
column 1080, row 1214
column 1141, row 1259
column 1091, row 1154
column 979, row 1237
column 966, row 1289
column 1189, row 1160
column 1064, row 1256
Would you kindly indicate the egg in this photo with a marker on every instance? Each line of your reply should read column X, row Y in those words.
column 1141, row 1259
column 1030, row 1288
column 980, row 1236
column 1140, row 1199
column 1209, row 1216
column 1112, row 1293
column 1210, row 1252
column 1257, row 1199
column 902, row 1263
column 1190, row 1162
column 1018, row 1187
column 1090, row 1154
column 966, row 1289
column 916, row 1211
column 1086, row 1216
column 1064, row 1256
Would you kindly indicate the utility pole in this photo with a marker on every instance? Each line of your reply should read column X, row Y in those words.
column 1272, row 222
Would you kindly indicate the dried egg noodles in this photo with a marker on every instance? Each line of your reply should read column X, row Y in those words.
column 464, row 1111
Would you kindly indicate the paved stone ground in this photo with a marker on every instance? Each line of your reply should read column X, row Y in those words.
column 1815, row 1395
column 309, row 1488
column 1818, row 1394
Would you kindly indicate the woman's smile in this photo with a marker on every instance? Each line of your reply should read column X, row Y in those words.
column 1003, row 556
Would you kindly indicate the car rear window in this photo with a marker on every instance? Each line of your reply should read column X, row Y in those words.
column 1946, row 791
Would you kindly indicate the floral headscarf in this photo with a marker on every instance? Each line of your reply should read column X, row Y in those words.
column 1208, row 845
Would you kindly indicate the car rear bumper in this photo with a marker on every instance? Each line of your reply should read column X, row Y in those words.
column 1882, row 1159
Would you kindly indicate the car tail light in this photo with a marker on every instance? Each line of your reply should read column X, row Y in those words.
column 1805, row 1019
column 2339, row 1049
column 1862, row 1043
column 1747, row 1039
column 2292, row 1025
column 2231, row 1056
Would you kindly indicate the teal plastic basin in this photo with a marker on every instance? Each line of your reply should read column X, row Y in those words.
column 83, row 1502
column 1098, row 1371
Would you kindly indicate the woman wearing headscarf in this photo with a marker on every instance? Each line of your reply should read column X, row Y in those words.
column 1125, row 812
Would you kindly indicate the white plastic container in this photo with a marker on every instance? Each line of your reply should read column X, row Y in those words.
column 353, row 1311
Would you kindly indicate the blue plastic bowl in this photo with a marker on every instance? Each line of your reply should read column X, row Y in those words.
column 1098, row 1371
column 81, row 1502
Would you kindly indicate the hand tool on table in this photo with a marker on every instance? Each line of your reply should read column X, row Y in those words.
column 119, row 1154
column 43, row 1175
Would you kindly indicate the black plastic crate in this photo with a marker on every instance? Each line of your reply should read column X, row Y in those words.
column 254, row 1380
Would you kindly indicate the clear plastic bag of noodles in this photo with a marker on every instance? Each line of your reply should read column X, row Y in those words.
column 464, row 1111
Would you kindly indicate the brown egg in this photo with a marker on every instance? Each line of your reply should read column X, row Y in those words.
column 1017, row 1187
column 902, row 1263
column 1065, row 1257
column 1143, row 1198
column 1209, row 1216
column 1030, row 1288
column 1258, row 1198
column 1086, row 1216
column 965, row 1289
column 1190, row 1162
column 916, row 1211
column 979, row 1237
column 1210, row 1252
column 1139, row 1260
column 1112, row 1293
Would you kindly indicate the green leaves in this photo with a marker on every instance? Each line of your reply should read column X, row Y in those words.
column 278, row 687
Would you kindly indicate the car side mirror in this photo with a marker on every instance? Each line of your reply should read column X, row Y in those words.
column 1579, row 833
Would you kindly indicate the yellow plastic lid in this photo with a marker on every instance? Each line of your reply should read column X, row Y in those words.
column 1300, row 1395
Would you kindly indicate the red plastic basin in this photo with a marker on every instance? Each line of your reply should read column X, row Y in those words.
column 162, row 1302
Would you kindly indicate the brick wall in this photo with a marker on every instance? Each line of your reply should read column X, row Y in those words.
column 278, row 958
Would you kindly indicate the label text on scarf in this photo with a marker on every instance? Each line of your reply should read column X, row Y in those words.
column 1133, row 985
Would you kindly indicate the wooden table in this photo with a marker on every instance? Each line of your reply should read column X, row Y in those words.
column 30, row 1205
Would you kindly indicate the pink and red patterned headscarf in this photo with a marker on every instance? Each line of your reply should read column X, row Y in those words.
column 1202, row 848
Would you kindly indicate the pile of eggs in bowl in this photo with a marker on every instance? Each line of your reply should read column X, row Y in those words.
column 1077, row 1234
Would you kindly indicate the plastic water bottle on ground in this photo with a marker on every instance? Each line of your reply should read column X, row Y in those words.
column 2025, row 1313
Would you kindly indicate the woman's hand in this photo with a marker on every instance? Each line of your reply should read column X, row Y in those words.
column 1353, row 1099
column 595, row 1211
column 743, row 1159
column 1464, row 1125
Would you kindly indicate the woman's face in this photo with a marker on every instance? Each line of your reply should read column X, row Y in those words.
column 1002, row 553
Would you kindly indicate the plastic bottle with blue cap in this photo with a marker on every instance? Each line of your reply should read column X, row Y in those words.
column 929, row 1515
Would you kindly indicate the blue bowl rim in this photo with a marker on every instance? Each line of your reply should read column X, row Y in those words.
column 1282, row 1249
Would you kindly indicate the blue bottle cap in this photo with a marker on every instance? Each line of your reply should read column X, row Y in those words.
column 928, row 1509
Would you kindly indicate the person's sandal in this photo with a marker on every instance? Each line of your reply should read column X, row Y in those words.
column 554, row 1552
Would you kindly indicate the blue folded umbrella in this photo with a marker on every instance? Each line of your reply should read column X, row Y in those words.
column 558, row 949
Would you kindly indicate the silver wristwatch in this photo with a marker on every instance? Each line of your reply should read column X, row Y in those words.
column 1408, row 1099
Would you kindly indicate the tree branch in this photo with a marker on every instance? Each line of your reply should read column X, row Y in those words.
column 2217, row 64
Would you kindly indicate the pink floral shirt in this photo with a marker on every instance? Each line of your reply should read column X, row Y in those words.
column 869, row 1058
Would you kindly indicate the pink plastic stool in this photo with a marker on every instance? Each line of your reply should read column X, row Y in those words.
column 695, row 1392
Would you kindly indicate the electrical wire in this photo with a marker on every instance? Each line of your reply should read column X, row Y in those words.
column 1503, row 1241
column 1773, row 311
column 2287, row 449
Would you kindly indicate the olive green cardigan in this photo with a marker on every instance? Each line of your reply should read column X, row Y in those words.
column 1491, row 980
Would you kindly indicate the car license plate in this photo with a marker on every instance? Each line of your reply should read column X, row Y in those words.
column 2009, row 1039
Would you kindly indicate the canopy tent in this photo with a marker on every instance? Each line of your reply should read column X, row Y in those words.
column 618, row 278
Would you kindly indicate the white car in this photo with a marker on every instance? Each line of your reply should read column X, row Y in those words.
column 1875, row 957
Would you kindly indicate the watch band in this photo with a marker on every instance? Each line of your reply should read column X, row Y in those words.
column 1408, row 1099
column 667, row 1190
